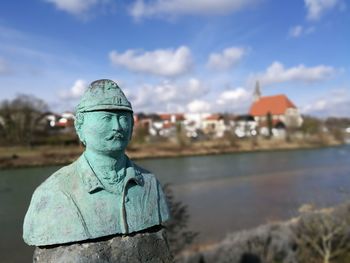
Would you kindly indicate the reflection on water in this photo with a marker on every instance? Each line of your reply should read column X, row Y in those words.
column 224, row 193
column 238, row 191
column 231, row 204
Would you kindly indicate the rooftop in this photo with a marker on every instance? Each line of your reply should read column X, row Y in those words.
column 276, row 105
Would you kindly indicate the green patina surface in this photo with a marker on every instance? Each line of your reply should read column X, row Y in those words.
column 103, row 192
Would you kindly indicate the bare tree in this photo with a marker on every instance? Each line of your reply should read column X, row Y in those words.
column 269, row 123
column 323, row 236
column 179, row 236
column 19, row 118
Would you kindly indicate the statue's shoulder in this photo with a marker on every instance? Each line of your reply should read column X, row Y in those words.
column 145, row 174
column 59, row 180
column 55, row 187
column 140, row 169
column 51, row 210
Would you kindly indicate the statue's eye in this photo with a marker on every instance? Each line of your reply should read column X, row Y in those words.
column 123, row 119
column 107, row 117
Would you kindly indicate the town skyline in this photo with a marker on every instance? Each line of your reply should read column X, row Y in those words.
column 174, row 56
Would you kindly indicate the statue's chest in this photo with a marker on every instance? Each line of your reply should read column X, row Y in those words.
column 105, row 213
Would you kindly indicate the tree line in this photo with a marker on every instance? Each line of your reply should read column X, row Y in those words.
column 22, row 122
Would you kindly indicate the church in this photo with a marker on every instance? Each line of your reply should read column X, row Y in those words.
column 284, row 113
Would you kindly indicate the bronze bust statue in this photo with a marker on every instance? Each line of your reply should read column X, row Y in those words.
column 102, row 193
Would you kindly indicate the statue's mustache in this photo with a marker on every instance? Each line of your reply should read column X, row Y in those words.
column 115, row 135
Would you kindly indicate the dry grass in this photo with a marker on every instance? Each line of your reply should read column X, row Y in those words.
column 59, row 155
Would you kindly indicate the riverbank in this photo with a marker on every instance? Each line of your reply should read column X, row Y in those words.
column 14, row 157
column 314, row 236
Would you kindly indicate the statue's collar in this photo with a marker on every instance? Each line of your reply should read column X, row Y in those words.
column 93, row 184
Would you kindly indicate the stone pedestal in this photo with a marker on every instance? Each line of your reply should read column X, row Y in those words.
column 150, row 247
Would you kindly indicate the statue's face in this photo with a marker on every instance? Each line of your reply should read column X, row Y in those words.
column 107, row 132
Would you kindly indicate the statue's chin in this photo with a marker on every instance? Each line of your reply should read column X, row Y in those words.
column 118, row 146
column 115, row 153
column 111, row 151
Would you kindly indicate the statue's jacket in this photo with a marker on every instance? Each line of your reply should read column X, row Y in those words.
column 73, row 205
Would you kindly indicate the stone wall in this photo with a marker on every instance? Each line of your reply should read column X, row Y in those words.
column 147, row 247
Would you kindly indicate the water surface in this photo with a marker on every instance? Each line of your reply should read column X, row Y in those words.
column 224, row 193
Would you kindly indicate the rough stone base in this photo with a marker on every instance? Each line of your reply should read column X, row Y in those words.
column 137, row 248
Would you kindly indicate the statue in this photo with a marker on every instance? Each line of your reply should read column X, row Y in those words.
column 102, row 193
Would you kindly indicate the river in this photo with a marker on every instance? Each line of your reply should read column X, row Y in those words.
column 224, row 193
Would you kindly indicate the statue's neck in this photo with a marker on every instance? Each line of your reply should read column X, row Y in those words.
column 102, row 164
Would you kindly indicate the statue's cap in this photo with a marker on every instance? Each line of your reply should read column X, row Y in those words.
column 103, row 94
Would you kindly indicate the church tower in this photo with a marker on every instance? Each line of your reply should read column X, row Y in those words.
column 257, row 92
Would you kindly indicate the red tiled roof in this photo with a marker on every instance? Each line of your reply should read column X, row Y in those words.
column 167, row 116
column 276, row 105
column 164, row 116
column 168, row 125
column 214, row 117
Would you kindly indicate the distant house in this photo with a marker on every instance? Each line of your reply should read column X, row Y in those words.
column 143, row 121
column 151, row 123
column 159, row 124
column 168, row 130
column 66, row 120
column 214, row 125
column 245, row 126
column 56, row 123
column 193, row 124
column 284, row 113
column 172, row 117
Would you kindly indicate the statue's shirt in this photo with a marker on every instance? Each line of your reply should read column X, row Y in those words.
column 73, row 205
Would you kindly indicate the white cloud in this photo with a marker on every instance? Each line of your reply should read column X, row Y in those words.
column 186, row 7
column 335, row 103
column 231, row 100
column 77, row 7
column 226, row 59
column 318, row 105
column 195, row 86
column 190, row 96
column 162, row 62
column 199, row 106
column 4, row 67
column 298, row 31
column 232, row 96
column 316, row 8
column 75, row 92
column 277, row 73
column 167, row 96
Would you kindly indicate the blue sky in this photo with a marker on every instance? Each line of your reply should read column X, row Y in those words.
column 179, row 55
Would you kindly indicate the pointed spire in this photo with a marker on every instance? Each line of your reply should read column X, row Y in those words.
column 257, row 92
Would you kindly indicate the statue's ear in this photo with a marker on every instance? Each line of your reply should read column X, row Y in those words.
column 132, row 126
column 81, row 136
column 78, row 123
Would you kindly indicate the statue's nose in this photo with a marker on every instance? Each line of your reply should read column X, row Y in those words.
column 116, row 124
